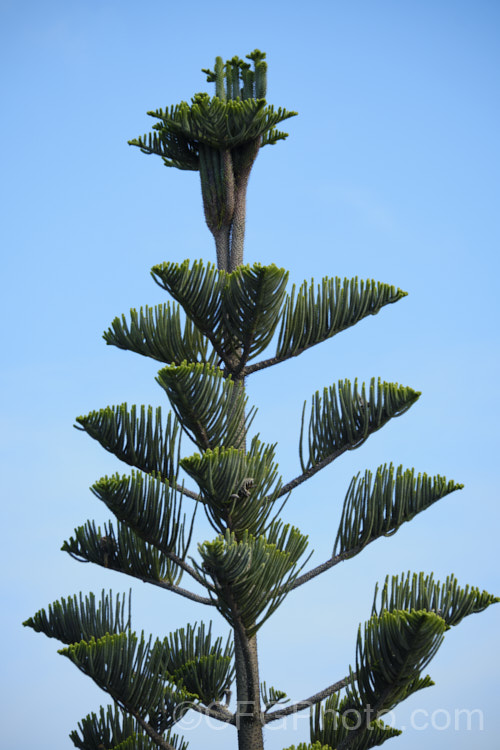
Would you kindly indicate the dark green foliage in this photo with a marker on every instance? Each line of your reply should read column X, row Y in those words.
column 238, row 312
column 238, row 488
column 209, row 406
column 251, row 576
column 114, row 730
column 131, row 670
column 184, row 128
column 318, row 313
column 335, row 723
column 201, row 666
column 140, row 441
column 235, row 117
column 378, row 507
column 158, row 332
column 344, row 421
column 391, row 652
column 198, row 289
column 420, row 592
column 411, row 639
column 251, row 308
column 107, row 730
column 121, row 550
column 150, row 507
column 77, row 619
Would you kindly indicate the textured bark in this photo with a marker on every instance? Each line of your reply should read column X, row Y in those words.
column 218, row 192
column 248, row 716
column 244, row 166
column 222, row 247
column 238, row 226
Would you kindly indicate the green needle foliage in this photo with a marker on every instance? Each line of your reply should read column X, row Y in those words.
column 378, row 508
column 139, row 441
column 250, row 576
column 74, row 619
column 239, row 488
column 117, row 731
column 224, row 323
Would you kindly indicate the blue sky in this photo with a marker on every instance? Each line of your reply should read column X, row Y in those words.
column 391, row 172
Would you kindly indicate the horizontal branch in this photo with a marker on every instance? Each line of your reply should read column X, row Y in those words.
column 301, row 705
column 184, row 491
column 182, row 592
column 215, row 711
column 322, row 568
column 264, row 363
column 188, row 569
column 161, row 583
column 289, row 486
column 329, row 564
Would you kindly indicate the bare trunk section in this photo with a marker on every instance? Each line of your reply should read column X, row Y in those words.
column 218, row 192
column 240, row 199
column 248, row 716
column 222, row 247
column 238, row 226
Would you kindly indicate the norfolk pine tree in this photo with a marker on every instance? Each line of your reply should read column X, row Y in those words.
column 226, row 323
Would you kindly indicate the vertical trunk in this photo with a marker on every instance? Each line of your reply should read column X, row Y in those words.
column 218, row 192
column 243, row 167
column 222, row 245
column 248, row 716
column 238, row 226
column 230, row 248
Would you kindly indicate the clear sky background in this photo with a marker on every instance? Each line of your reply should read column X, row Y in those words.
column 390, row 172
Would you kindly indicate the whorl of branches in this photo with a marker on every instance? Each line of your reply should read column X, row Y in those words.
column 250, row 576
column 202, row 666
column 238, row 488
column 209, row 407
column 239, row 312
column 236, row 116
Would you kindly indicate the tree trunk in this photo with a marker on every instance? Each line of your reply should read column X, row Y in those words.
column 248, row 714
column 240, row 199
